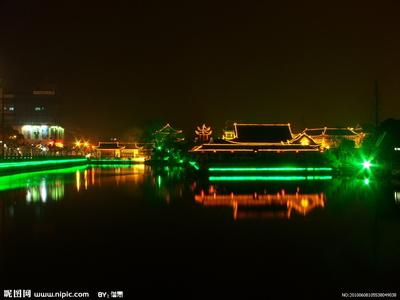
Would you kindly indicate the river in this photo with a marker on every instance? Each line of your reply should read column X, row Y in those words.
column 147, row 229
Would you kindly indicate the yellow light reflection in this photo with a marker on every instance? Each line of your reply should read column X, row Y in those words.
column 257, row 205
column 78, row 180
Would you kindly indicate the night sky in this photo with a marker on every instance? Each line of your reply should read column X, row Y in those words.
column 122, row 65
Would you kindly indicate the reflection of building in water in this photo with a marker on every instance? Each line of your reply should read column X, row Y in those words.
column 45, row 190
column 397, row 197
column 256, row 205
column 109, row 174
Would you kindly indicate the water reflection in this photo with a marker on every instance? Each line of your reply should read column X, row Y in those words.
column 48, row 189
column 264, row 205
column 246, row 199
column 170, row 183
column 38, row 186
column 109, row 174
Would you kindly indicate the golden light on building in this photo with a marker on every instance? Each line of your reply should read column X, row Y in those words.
column 305, row 141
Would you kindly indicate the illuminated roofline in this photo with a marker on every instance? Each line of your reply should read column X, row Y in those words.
column 297, row 137
column 168, row 126
column 259, row 150
column 234, row 144
column 333, row 128
column 262, row 124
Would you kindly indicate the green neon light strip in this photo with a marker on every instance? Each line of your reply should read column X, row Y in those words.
column 194, row 165
column 9, row 182
column 261, row 169
column 268, row 178
column 109, row 166
column 23, row 164
column 116, row 161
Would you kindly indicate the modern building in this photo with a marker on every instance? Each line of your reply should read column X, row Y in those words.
column 45, row 134
column 35, row 115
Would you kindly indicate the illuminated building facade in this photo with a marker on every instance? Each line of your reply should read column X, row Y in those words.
column 108, row 150
column 261, row 138
column 125, row 151
column 228, row 135
column 34, row 115
column 203, row 133
column 270, row 144
column 42, row 134
column 332, row 137
column 131, row 151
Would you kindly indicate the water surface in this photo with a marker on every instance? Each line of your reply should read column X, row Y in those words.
column 160, row 229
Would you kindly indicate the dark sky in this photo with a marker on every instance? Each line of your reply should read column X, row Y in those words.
column 121, row 65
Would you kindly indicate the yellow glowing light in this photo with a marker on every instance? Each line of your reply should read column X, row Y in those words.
column 304, row 202
column 305, row 141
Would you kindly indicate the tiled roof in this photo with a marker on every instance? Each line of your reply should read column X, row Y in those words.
column 263, row 133
column 339, row 131
column 315, row 131
column 108, row 146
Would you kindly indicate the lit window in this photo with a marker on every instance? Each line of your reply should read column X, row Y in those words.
column 11, row 108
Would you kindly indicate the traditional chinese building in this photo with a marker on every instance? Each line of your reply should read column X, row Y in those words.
column 272, row 143
column 123, row 151
column 255, row 138
column 132, row 151
column 108, row 150
column 228, row 135
column 332, row 137
column 168, row 133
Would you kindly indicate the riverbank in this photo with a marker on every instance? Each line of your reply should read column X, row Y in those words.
column 14, row 166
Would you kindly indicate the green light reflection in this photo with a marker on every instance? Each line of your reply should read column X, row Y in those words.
column 261, row 169
column 268, row 178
